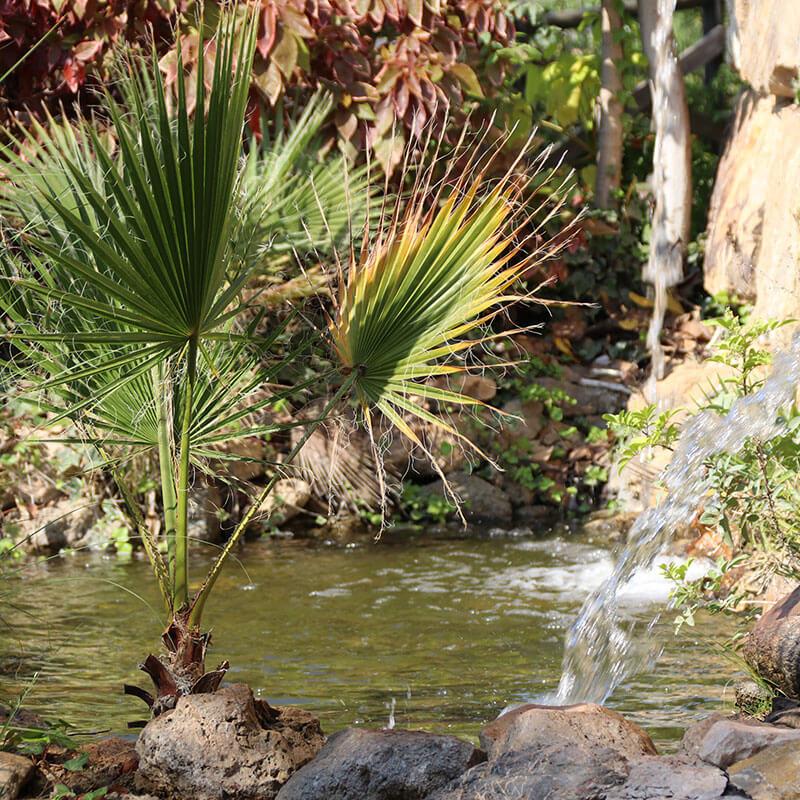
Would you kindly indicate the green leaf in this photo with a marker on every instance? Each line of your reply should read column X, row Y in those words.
column 467, row 77
column 77, row 763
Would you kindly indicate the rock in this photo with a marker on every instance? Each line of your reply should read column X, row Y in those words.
column 360, row 764
column 252, row 451
column 753, row 238
column 722, row 741
column 525, row 421
column 22, row 717
column 14, row 773
column 590, row 395
column 109, row 762
column 480, row 387
column 225, row 744
column 772, row 648
column 574, row 771
column 539, row 518
column 765, row 46
column 481, row 500
column 636, row 487
column 784, row 712
column 535, row 726
column 206, row 510
column 128, row 796
column 670, row 778
column 287, row 500
column 55, row 527
column 771, row 774
column 752, row 699
column 610, row 525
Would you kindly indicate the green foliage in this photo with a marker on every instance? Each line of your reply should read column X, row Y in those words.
column 689, row 596
column 753, row 499
column 740, row 349
column 637, row 431
column 63, row 792
column 420, row 505
column 18, row 738
column 564, row 89
column 756, row 495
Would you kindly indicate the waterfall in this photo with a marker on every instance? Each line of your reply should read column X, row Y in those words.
column 601, row 648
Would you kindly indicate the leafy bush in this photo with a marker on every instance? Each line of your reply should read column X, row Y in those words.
column 390, row 65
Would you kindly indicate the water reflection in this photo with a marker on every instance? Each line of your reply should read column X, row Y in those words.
column 453, row 630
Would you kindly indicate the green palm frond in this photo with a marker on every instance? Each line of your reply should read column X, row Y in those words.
column 422, row 296
column 156, row 236
column 35, row 163
column 300, row 202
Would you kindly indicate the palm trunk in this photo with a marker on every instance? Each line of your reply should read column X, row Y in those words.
column 181, row 596
column 609, row 138
column 165, row 463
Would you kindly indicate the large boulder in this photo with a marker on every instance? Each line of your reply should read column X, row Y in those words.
column 722, row 741
column 572, row 771
column 753, row 236
column 360, row 764
column 535, row 726
column 225, row 745
column 765, row 44
column 772, row 648
column 541, row 752
column 771, row 774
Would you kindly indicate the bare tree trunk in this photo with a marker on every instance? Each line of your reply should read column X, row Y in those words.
column 609, row 137
column 672, row 182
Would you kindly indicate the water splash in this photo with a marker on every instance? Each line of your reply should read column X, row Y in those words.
column 601, row 649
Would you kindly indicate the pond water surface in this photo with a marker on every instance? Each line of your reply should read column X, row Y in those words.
column 449, row 630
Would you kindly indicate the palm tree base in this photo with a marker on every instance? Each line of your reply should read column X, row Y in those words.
column 180, row 671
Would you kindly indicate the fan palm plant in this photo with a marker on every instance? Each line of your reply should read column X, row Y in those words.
column 125, row 302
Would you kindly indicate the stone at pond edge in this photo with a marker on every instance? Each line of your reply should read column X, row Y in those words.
column 109, row 762
column 14, row 772
column 225, row 745
column 534, row 726
column 562, row 771
column 670, row 777
column 361, row 764
column 541, row 752
column 482, row 501
column 722, row 741
column 772, row 774
column 772, row 648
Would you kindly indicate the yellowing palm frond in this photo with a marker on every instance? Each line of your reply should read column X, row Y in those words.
column 424, row 294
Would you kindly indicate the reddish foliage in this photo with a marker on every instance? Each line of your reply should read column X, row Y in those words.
column 389, row 63
column 76, row 49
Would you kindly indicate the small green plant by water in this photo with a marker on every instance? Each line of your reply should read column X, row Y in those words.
column 753, row 500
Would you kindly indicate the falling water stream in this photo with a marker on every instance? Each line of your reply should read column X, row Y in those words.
column 601, row 648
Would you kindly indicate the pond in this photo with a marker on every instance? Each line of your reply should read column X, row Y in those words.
column 448, row 631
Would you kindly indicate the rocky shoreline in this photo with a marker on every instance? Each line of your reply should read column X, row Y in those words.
column 232, row 746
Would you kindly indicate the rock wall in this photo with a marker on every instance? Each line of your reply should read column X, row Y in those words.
column 753, row 246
